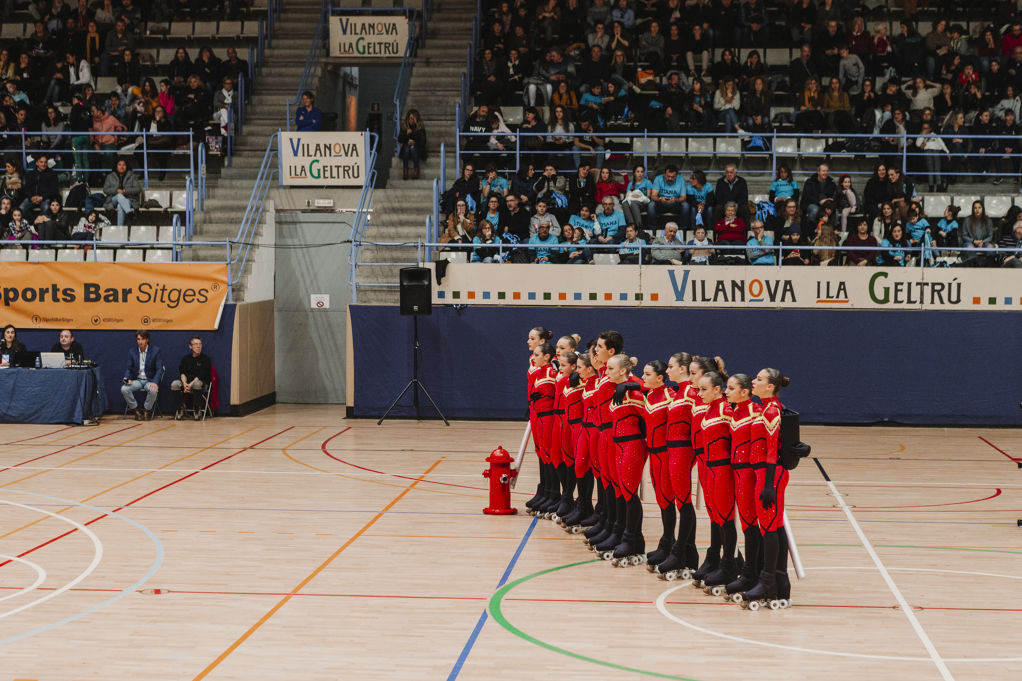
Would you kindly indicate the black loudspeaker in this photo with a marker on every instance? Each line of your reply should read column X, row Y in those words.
column 416, row 291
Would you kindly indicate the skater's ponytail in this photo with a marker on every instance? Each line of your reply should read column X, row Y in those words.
column 626, row 362
column 658, row 367
column 544, row 333
column 777, row 379
column 710, row 366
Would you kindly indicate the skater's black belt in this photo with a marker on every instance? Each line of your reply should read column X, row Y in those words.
column 719, row 462
column 679, row 443
column 740, row 466
column 588, row 425
column 604, row 426
column 629, row 438
column 762, row 464
column 699, row 450
column 542, row 414
column 558, row 411
column 574, row 421
column 658, row 450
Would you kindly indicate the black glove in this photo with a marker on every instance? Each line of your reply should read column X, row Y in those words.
column 574, row 380
column 769, row 495
column 622, row 389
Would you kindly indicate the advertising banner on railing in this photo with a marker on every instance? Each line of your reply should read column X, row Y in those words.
column 98, row 295
column 910, row 288
column 357, row 36
column 323, row 159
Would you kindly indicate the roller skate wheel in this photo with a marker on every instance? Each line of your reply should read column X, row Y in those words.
column 576, row 529
column 751, row 605
column 785, row 603
column 775, row 604
column 670, row 576
column 686, row 573
column 717, row 590
column 613, row 561
column 707, row 590
column 607, row 555
column 556, row 518
column 638, row 560
column 697, row 583
column 737, row 598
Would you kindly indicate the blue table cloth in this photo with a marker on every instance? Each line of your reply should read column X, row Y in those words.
column 51, row 395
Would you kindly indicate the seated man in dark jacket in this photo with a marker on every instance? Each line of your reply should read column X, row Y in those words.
column 144, row 371
column 730, row 188
column 817, row 188
column 196, row 371
column 41, row 186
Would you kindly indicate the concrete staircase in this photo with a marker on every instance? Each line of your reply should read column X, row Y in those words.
column 228, row 195
column 400, row 208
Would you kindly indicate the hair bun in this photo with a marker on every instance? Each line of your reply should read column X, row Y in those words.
column 719, row 361
column 578, row 338
column 785, row 381
column 634, row 361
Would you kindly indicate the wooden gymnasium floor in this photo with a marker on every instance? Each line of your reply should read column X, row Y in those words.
column 292, row 544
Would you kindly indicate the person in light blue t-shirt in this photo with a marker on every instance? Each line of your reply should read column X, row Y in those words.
column 612, row 222
column 584, row 221
column 760, row 246
column 544, row 245
column 783, row 188
column 637, row 197
column 668, row 198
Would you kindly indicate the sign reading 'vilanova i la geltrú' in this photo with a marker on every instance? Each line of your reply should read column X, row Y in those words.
column 333, row 159
column 368, row 37
column 909, row 288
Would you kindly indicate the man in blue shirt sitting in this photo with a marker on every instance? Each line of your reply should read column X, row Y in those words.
column 760, row 246
column 668, row 199
column 611, row 222
column 544, row 244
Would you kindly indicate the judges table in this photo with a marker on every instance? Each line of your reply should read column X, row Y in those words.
column 51, row 395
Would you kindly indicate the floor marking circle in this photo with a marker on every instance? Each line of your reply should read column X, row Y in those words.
column 157, row 561
column 40, row 576
column 662, row 607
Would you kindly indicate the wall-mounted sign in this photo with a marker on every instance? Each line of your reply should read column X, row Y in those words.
column 368, row 37
column 333, row 159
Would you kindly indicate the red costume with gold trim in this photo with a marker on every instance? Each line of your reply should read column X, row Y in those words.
column 629, row 441
column 657, row 405
column 680, row 453
column 715, row 433
column 766, row 437
column 742, row 417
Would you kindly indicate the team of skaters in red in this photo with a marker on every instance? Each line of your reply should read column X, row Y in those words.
column 594, row 423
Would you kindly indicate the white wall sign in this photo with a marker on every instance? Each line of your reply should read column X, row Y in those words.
column 909, row 288
column 320, row 301
column 316, row 159
column 368, row 37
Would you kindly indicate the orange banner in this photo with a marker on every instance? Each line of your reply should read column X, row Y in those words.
column 97, row 295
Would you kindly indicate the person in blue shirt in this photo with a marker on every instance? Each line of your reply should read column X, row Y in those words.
column 493, row 182
column 947, row 227
column 916, row 227
column 637, row 197
column 486, row 249
column 783, row 188
column 700, row 199
column 584, row 221
column 611, row 222
column 544, row 245
column 668, row 198
column 630, row 251
column 895, row 245
column 573, row 249
column 308, row 118
column 760, row 246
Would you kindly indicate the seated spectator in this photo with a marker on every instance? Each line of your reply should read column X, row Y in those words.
column 700, row 107
column 308, row 118
column 698, row 47
column 71, row 348
column 851, row 72
column 699, row 247
column 895, row 245
column 636, row 197
column 160, row 145
column 493, row 211
column 861, row 237
column 610, row 221
column 543, row 244
column 726, row 102
column 592, row 69
column 673, row 252
column 977, row 232
column 144, row 371
column 700, row 199
column 517, row 220
column 460, row 225
column 493, row 183
column 934, row 151
column 731, row 187
column 784, row 187
column 730, row 229
column 532, row 129
column 544, row 218
column 12, row 183
column 900, row 192
column 786, row 227
column 561, row 130
column 946, row 233
column 233, row 67
column 90, row 226
column 166, row 97
column 223, row 99
column 123, row 189
column 588, row 142
column 550, row 186
column 486, row 249
column 1011, row 244
column 760, row 251
column 837, row 106
column 128, row 74
column 630, row 252
column 585, row 221
column 117, row 41
column 52, row 125
column 916, row 227
column 651, row 47
column 667, row 199
column 756, row 106
column 608, row 185
column 105, row 124
column 40, row 186
column 465, row 188
column 827, row 239
column 575, row 252
column 581, row 189
column 488, row 76
column 51, row 225
column 885, row 221
column 848, row 201
column 20, row 229
column 808, row 114
column 9, row 345
column 180, row 67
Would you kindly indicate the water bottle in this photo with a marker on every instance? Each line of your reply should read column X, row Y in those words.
column 38, row 362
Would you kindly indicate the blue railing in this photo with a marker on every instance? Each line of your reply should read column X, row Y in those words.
column 93, row 248
column 361, row 220
column 404, row 75
column 312, row 64
column 254, row 211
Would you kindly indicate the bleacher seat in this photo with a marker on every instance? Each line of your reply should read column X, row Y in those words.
column 12, row 254
column 101, row 255
column 42, row 255
column 813, row 147
column 129, row 255
column 454, row 257
column 70, row 255
column 179, row 200
column 777, row 56
column 161, row 196
column 159, row 255
column 756, row 198
column 105, row 84
column 144, row 233
column 700, row 146
column 672, row 146
column 204, row 29
column 934, row 204
column 787, row 146
column 606, row 259
column 114, row 233
column 964, row 202
column 180, row 29
column 997, row 205
column 250, row 28
column 729, row 146
column 230, row 29
column 167, row 234
column 513, row 115
column 12, row 30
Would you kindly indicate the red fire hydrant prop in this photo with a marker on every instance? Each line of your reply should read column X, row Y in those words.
column 500, row 475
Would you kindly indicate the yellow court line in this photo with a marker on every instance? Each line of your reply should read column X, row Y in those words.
column 312, row 575
column 127, row 482
column 86, row 456
column 73, row 433
column 369, row 480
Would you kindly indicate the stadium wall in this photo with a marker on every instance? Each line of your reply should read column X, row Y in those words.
column 909, row 367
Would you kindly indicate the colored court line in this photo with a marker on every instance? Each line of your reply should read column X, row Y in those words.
column 64, row 449
column 28, row 439
column 312, row 575
column 1013, row 458
column 460, row 662
column 997, row 493
column 148, row 494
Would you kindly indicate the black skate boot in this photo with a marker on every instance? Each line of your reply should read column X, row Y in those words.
column 764, row 593
column 715, row 582
column 783, row 591
column 711, row 563
column 597, row 520
column 607, row 546
column 609, row 518
column 660, row 554
column 632, row 549
column 530, row 505
column 746, row 580
column 574, row 517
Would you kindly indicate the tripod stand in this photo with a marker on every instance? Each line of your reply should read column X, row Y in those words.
column 415, row 385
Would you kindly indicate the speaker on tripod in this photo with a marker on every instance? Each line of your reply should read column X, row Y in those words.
column 416, row 301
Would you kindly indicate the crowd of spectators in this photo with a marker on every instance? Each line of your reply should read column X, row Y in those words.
column 699, row 65
column 544, row 216
column 74, row 134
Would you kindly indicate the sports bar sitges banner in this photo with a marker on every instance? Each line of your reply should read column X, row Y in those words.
column 185, row 296
column 359, row 36
column 323, row 159
column 706, row 286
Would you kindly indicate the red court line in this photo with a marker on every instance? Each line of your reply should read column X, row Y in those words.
column 64, row 449
column 27, row 439
column 996, row 493
column 1015, row 459
column 149, row 494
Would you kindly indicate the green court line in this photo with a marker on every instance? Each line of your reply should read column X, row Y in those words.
column 496, row 603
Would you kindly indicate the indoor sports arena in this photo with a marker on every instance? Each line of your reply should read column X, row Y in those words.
column 289, row 391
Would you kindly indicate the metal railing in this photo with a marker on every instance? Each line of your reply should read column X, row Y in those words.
column 404, row 75
column 361, row 220
column 253, row 211
column 312, row 64
column 95, row 246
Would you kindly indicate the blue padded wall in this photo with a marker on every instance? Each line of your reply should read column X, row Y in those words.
column 911, row 367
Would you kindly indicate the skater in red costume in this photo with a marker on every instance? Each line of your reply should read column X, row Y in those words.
column 744, row 412
column 771, row 483
column 563, row 452
column 628, row 429
column 542, row 399
column 659, row 399
column 557, row 473
column 537, row 337
column 699, row 367
column 586, row 448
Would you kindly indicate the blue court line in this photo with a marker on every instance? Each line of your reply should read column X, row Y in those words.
column 483, row 617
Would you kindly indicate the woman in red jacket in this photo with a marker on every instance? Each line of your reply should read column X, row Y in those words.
column 771, row 483
column 576, row 406
column 561, row 449
column 659, row 399
column 628, row 428
column 683, row 558
column 700, row 367
column 542, row 405
column 537, row 337
column 744, row 412
column 608, row 344
column 715, row 430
